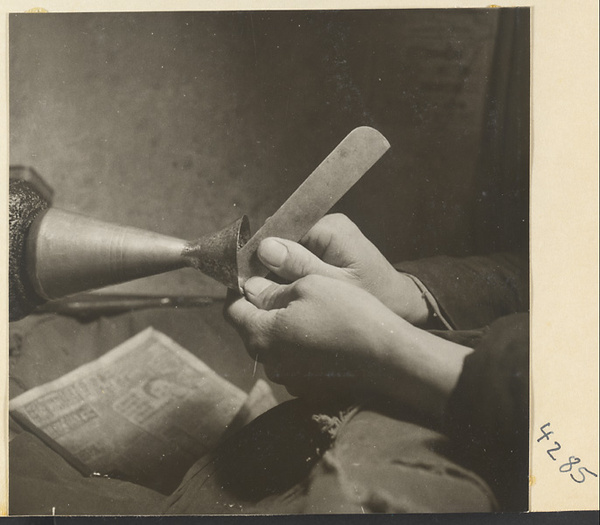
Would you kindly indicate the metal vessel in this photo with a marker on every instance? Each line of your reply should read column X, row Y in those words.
column 68, row 253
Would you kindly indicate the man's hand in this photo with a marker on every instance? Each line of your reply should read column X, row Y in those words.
column 336, row 248
column 319, row 335
column 315, row 332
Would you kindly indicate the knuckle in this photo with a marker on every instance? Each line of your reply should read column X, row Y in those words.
column 347, row 227
column 339, row 220
column 328, row 224
column 302, row 265
column 337, row 226
column 266, row 297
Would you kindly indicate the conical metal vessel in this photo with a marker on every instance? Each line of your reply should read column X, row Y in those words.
column 68, row 253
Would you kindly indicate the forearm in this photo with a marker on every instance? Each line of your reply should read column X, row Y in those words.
column 418, row 369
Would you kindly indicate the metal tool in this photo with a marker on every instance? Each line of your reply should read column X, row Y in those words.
column 342, row 168
column 55, row 253
column 68, row 253
column 89, row 306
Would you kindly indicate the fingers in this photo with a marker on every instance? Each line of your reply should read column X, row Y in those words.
column 332, row 224
column 337, row 241
column 291, row 261
column 253, row 324
column 254, row 316
column 331, row 227
column 267, row 295
column 243, row 315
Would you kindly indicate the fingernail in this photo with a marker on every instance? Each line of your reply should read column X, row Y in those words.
column 272, row 252
column 255, row 285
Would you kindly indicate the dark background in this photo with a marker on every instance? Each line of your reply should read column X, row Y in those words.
column 181, row 122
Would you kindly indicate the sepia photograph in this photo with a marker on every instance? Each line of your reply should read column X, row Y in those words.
column 270, row 262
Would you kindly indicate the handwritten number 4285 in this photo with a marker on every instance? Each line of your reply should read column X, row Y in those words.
column 573, row 460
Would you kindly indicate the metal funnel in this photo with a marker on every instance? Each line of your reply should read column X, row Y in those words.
column 216, row 255
column 68, row 253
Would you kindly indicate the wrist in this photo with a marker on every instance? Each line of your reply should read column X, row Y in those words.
column 419, row 369
column 407, row 300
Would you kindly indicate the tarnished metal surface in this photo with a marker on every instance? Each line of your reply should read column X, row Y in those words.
column 342, row 168
column 25, row 204
column 216, row 255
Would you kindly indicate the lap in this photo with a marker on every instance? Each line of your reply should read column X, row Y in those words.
column 296, row 459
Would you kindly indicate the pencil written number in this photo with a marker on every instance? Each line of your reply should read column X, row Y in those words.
column 576, row 473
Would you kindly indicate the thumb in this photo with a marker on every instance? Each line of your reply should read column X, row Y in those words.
column 291, row 261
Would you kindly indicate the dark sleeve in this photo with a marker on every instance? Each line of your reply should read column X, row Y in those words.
column 474, row 291
column 487, row 417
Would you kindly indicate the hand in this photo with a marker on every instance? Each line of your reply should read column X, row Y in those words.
column 319, row 335
column 312, row 331
column 336, row 248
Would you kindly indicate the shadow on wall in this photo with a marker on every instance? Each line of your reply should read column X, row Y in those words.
column 181, row 122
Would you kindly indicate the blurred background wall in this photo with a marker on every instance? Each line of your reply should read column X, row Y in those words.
column 181, row 122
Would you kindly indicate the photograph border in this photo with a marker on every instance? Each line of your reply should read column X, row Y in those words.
column 564, row 225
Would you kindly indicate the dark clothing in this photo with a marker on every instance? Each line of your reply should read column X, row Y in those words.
column 474, row 291
column 329, row 458
column 486, row 299
column 488, row 414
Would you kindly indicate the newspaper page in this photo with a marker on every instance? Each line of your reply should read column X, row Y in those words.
column 143, row 412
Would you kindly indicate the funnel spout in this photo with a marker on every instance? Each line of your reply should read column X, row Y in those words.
column 216, row 255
